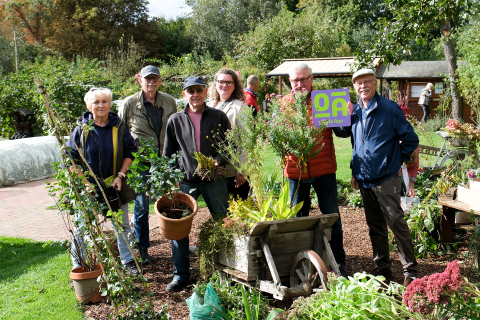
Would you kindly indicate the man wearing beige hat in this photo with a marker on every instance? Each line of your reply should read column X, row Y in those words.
column 378, row 125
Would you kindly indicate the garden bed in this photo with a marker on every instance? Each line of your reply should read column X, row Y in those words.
column 357, row 247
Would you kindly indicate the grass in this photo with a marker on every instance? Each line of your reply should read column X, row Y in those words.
column 34, row 281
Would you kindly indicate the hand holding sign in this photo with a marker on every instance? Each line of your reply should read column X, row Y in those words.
column 331, row 106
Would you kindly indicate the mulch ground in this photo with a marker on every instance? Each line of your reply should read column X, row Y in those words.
column 357, row 247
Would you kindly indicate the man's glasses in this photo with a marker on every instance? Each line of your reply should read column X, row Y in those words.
column 303, row 81
column 227, row 83
column 152, row 79
column 197, row 90
column 366, row 82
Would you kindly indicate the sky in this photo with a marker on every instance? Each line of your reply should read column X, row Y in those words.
column 167, row 8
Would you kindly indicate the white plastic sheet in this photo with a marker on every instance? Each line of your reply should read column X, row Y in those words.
column 28, row 159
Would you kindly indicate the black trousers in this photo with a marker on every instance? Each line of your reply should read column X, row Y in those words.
column 426, row 112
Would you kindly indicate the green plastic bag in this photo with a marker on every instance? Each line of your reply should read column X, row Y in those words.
column 204, row 311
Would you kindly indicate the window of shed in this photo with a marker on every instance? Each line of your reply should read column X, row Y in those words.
column 438, row 87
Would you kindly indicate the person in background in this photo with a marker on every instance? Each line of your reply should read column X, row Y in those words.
column 98, row 149
column 226, row 94
column 189, row 131
column 250, row 92
column 145, row 115
column 425, row 101
column 378, row 126
column 321, row 170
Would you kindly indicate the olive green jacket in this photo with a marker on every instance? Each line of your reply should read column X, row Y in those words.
column 138, row 123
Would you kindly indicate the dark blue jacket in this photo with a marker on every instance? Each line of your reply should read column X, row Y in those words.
column 99, row 146
column 377, row 152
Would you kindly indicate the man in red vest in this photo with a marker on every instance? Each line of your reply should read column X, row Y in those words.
column 251, row 92
column 320, row 173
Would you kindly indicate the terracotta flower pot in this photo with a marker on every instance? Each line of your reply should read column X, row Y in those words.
column 86, row 286
column 176, row 229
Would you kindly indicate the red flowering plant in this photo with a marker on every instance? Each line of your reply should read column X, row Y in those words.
column 444, row 294
column 291, row 129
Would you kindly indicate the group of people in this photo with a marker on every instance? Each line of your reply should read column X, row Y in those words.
column 378, row 126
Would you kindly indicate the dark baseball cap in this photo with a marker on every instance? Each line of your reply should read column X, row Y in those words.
column 148, row 70
column 193, row 81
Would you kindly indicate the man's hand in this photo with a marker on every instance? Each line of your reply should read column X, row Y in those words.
column 354, row 183
column 239, row 180
column 350, row 107
column 411, row 189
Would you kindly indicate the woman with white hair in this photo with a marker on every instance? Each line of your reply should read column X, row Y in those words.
column 426, row 100
column 108, row 151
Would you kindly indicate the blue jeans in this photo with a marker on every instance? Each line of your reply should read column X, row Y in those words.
column 215, row 195
column 326, row 190
column 140, row 216
column 125, row 254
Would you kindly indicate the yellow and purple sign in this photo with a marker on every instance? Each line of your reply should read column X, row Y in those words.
column 331, row 106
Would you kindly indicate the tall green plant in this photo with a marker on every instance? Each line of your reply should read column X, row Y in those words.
column 74, row 198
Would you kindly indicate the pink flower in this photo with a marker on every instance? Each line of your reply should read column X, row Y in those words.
column 470, row 174
column 268, row 122
column 279, row 96
column 135, row 82
column 237, row 72
column 272, row 95
column 137, row 76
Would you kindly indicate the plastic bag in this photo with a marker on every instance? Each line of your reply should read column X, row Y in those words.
column 203, row 311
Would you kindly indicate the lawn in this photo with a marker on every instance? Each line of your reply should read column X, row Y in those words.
column 34, row 281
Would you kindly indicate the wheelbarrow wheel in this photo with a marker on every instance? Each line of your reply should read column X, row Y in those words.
column 308, row 266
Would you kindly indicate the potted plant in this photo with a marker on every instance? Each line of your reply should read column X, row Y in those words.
column 174, row 209
column 464, row 135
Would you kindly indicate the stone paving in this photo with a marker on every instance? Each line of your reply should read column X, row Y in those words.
column 24, row 214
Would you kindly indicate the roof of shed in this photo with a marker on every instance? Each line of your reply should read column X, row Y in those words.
column 322, row 67
column 414, row 69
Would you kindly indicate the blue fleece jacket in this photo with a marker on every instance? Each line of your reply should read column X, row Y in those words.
column 377, row 152
column 99, row 146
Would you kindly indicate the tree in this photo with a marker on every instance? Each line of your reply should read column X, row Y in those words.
column 86, row 27
column 413, row 19
column 177, row 41
column 289, row 35
column 214, row 24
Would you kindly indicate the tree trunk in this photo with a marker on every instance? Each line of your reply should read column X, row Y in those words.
column 451, row 58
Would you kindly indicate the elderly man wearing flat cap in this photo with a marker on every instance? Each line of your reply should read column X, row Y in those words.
column 187, row 131
column 145, row 115
column 378, row 126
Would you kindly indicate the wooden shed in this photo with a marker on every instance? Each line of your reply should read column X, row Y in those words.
column 412, row 77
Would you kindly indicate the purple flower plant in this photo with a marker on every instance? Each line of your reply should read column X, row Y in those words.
column 471, row 174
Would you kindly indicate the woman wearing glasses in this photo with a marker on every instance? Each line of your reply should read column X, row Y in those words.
column 226, row 94
column 108, row 151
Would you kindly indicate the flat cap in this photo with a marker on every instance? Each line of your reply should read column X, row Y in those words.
column 362, row 72
column 148, row 70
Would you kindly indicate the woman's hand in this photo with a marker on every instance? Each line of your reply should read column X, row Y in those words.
column 117, row 183
column 89, row 186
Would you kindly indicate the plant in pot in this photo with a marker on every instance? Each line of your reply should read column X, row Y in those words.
column 174, row 209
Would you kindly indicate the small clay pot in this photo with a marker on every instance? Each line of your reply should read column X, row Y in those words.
column 86, row 286
column 176, row 229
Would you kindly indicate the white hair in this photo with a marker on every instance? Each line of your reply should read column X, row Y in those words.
column 299, row 66
column 430, row 85
column 94, row 93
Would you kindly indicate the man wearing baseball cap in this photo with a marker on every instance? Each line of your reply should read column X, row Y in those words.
column 378, row 125
column 145, row 115
column 190, row 130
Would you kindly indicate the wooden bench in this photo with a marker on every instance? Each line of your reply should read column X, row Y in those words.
column 430, row 151
column 447, row 219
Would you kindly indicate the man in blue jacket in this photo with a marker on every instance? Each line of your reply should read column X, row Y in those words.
column 378, row 126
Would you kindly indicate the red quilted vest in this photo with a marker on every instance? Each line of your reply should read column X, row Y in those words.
column 324, row 163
